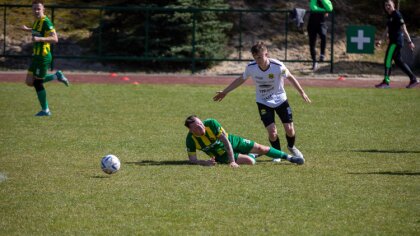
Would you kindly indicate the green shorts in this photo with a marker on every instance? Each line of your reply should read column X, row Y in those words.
column 239, row 146
column 40, row 65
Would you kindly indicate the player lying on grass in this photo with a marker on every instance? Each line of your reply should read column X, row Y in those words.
column 210, row 137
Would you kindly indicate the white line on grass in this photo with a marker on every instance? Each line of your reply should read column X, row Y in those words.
column 3, row 177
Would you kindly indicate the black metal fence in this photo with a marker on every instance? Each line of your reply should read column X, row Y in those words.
column 61, row 50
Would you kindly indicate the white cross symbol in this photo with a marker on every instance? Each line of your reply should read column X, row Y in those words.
column 360, row 40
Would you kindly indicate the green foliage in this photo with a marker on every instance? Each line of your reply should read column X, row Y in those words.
column 164, row 33
column 361, row 175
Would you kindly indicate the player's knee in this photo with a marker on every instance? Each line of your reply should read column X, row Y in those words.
column 245, row 160
column 272, row 132
column 260, row 149
column 29, row 81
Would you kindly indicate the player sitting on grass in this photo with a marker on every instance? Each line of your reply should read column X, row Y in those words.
column 210, row 137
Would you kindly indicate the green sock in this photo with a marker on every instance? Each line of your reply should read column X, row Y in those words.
column 387, row 80
column 274, row 153
column 42, row 97
column 49, row 77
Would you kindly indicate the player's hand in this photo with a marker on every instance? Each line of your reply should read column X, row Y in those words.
column 24, row 27
column 234, row 165
column 219, row 96
column 306, row 98
column 411, row 46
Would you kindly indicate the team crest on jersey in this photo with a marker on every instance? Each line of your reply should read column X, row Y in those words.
column 271, row 76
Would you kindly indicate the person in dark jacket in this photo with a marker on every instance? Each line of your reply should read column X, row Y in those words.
column 317, row 26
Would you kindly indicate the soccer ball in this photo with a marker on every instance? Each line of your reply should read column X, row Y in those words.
column 110, row 164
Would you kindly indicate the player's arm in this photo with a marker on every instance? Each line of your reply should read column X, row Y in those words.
column 194, row 160
column 327, row 6
column 51, row 38
column 407, row 37
column 222, row 94
column 297, row 86
column 229, row 150
column 25, row 28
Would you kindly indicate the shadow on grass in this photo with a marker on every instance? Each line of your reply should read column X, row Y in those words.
column 101, row 176
column 178, row 163
column 386, row 151
column 388, row 173
column 157, row 163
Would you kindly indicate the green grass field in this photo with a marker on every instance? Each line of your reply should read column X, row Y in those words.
column 362, row 175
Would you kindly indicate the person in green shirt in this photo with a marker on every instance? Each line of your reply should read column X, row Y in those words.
column 318, row 26
column 43, row 35
column 210, row 137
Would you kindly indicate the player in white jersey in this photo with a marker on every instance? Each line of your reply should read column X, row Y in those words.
column 268, row 76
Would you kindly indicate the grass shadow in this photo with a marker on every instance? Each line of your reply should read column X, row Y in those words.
column 386, row 151
column 400, row 173
column 101, row 176
column 157, row 163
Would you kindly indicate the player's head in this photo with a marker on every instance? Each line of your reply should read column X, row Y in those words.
column 195, row 125
column 260, row 53
column 38, row 8
column 258, row 48
column 389, row 6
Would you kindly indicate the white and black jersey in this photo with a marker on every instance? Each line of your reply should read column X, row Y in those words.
column 269, row 84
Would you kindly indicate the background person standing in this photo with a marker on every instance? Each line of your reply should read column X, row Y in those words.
column 317, row 26
column 395, row 28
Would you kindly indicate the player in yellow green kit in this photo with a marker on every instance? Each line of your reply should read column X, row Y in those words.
column 210, row 137
column 43, row 35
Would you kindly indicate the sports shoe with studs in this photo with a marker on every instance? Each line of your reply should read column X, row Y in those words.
column 295, row 152
column 62, row 78
column 413, row 83
column 296, row 160
column 382, row 85
column 43, row 113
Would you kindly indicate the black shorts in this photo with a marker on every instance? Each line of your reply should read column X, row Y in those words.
column 284, row 111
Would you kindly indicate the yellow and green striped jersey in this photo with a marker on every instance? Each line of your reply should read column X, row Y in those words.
column 42, row 28
column 209, row 142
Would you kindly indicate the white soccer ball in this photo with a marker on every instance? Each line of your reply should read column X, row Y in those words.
column 110, row 164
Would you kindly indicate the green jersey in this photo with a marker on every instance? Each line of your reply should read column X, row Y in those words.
column 42, row 28
column 210, row 143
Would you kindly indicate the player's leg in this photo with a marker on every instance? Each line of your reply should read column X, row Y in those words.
column 241, row 150
column 245, row 159
column 284, row 111
column 387, row 66
column 276, row 154
column 312, row 34
column 404, row 67
column 323, row 37
column 40, row 68
column 267, row 117
column 29, row 79
column 42, row 97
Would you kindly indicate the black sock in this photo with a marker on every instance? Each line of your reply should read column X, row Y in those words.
column 276, row 144
column 290, row 141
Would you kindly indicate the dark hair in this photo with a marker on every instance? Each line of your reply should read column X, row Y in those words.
column 190, row 119
column 38, row 2
column 258, row 47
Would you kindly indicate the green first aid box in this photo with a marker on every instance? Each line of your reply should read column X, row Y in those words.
column 360, row 39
